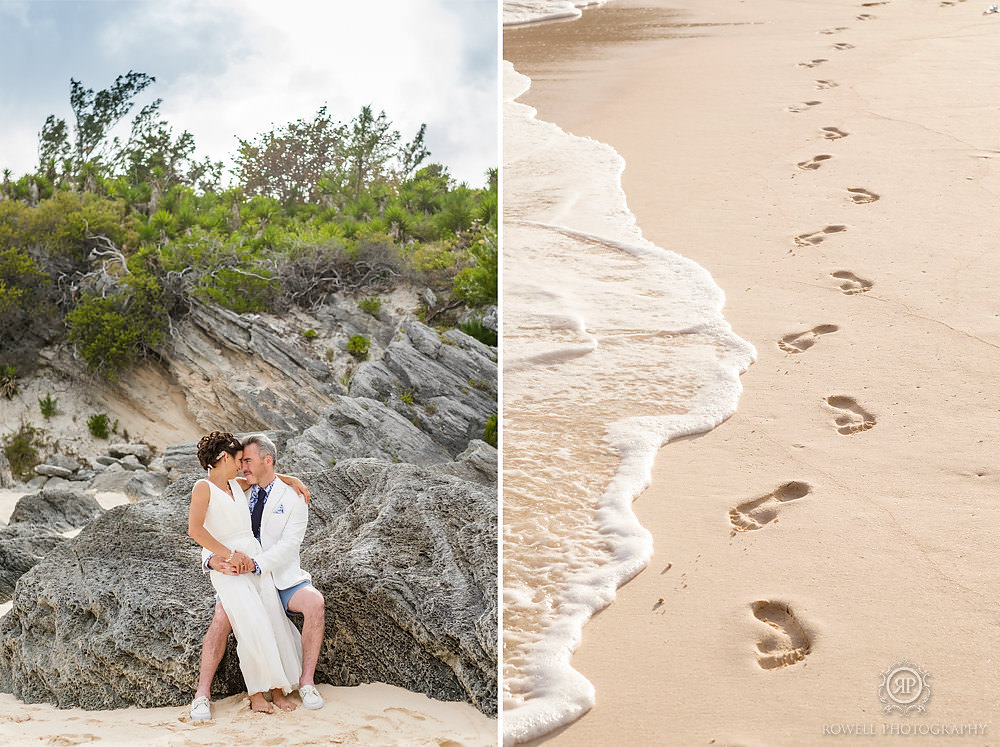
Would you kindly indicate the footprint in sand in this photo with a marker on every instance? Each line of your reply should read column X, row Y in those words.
column 813, row 163
column 801, row 107
column 816, row 237
column 834, row 30
column 822, row 85
column 841, row 46
column 802, row 341
column 791, row 644
column 833, row 133
column 866, row 17
column 853, row 418
column 852, row 283
column 813, row 63
column 754, row 514
column 862, row 196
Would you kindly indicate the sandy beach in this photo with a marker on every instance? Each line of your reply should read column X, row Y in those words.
column 833, row 165
column 372, row 714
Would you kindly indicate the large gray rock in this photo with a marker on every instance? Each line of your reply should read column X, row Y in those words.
column 445, row 384
column 64, row 461
column 145, row 485
column 141, row 451
column 477, row 463
column 405, row 559
column 356, row 427
column 52, row 470
column 57, row 508
column 111, row 480
column 21, row 547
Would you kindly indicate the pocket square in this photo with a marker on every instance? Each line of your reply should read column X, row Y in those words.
column 280, row 509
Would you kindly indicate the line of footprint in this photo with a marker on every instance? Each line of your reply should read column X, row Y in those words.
column 788, row 642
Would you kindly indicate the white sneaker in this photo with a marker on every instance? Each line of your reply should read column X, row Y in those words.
column 201, row 710
column 311, row 699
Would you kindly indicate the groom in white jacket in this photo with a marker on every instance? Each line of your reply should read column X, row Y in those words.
column 278, row 516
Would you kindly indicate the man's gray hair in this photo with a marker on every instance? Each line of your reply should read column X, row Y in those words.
column 264, row 445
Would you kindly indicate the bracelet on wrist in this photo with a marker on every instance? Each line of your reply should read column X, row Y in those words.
column 230, row 558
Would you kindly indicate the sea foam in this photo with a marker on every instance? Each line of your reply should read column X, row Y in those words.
column 520, row 12
column 612, row 347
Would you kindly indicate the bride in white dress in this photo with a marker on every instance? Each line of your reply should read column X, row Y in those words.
column 268, row 644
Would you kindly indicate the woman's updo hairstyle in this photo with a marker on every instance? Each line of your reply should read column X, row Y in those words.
column 214, row 445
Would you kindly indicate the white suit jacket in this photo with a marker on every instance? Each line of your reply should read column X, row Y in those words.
column 282, row 527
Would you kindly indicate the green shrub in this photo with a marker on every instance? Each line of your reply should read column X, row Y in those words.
column 407, row 397
column 48, row 405
column 370, row 305
column 477, row 285
column 310, row 334
column 358, row 347
column 490, row 430
column 475, row 328
column 21, row 450
column 114, row 331
column 239, row 291
column 98, row 425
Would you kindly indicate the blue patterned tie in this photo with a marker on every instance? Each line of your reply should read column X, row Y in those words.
column 258, row 511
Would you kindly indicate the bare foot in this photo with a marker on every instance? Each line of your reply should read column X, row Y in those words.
column 259, row 703
column 279, row 699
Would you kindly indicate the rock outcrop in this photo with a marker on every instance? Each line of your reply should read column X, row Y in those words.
column 240, row 373
column 405, row 557
column 357, row 427
column 445, row 384
column 59, row 509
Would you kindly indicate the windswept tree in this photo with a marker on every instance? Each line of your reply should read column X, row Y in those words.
column 373, row 153
column 290, row 163
column 95, row 115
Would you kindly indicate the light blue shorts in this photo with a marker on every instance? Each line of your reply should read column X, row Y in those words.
column 287, row 594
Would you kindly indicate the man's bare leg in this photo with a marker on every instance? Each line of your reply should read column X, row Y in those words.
column 309, row 602
column 279, row 699
column 212, row 650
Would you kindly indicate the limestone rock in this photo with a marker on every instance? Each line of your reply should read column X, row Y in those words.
column 56, row 508
column 131, row 463
column 239, row 373
column 354, row 427
column 406, row 560
column 446, row 384
column 51, row 470
column 140, row 451
column 477, row 463
column 21, row 547
column 66, row 462
column 145, row 485
column 111, row 481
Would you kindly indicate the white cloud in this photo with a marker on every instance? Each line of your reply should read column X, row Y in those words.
column 272, row 63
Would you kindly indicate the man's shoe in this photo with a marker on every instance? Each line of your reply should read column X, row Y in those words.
column 201, row 710
column 311, row 699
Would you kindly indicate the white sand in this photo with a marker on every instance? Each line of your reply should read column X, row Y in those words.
column 373, row 714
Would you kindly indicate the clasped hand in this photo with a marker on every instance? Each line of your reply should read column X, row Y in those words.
column 240, row 563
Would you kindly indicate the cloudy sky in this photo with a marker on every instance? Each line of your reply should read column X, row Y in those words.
column 235, row 68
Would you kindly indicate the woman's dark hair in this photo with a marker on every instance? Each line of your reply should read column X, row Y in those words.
column 214, row 445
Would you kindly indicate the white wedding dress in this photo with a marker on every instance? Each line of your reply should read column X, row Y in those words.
column 268, row 645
